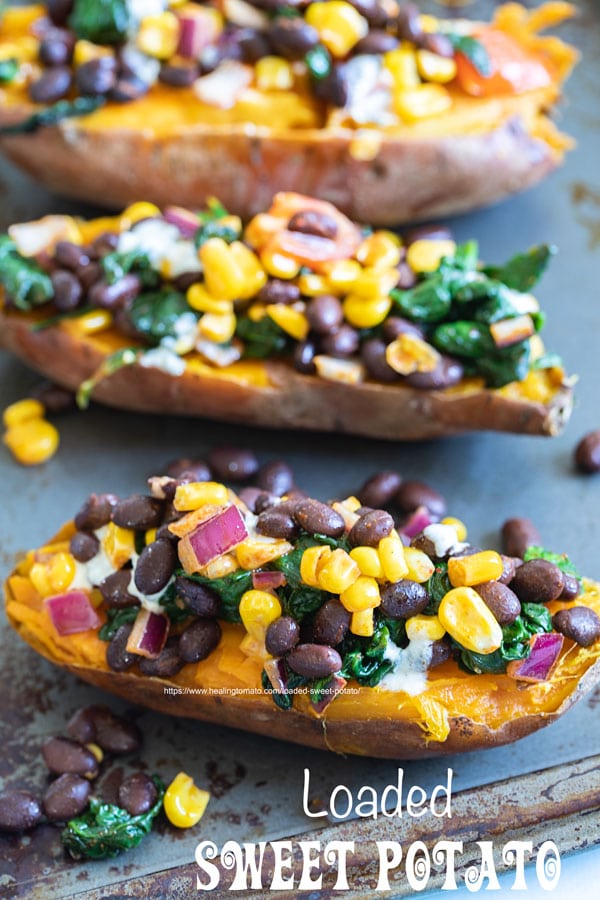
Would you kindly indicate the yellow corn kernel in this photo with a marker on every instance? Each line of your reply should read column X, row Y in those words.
column 222, row 279
column 393, row 562
column 352, row 503
column 367, row 560
column 312, row 558
column 253, row 274
column 220, row 567
column 429, row 23
column 158, row 36
column 278, row 265
column 255, row 648
column 97, row 751
column 420, row 567
column 150, row 535
column 469, row 621
column 93, row 322
column 341, row 275
column 118, row 544
column 136, row 212
column 272, row 73
column 256, row 312
column 38, row 575
column 363, row 594
column 409, row 353
column 289, row 320
column 426, row 255
column 458, row 525
column 200, row 300
column 424, row 627
column 86, row 51
column 25, row 50
column 339, row 24
column 464, row 571
column 32, row 442
column 422, row 102
column 313, row 285
column 198, row 493
column 22, row 411
column 373, row 283
column 217, row 327
column 433, row 67
column 402, row 63
column 337, row 572
column 257, row 610
column 361, row 623
column 61, row 571
column 252, row 554
column 380, row 250
column 184, row 803
column 366, row 313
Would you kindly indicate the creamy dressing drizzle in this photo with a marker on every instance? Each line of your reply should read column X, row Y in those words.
column 410, row 666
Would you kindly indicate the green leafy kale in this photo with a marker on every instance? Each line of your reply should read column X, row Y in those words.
column 535, row 618
column 437, row 587
column 263, row 338
column 106, row 830
column 101, row 21
column 116, row 264
column 24, row 281
column 116, row 618
column 229, row 588
column 8, row 69
column 363, row 658
column 154, row 314
column 127, row 356
column 474, row 50
column 56, row 112
column 559, row 559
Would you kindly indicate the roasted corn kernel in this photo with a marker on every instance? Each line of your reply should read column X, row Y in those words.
column 337, row 572
column 93, row 322
column 367, row 560
column 342, row 274
column 424, row 627
column 426, row 255
column 158, row 36
column 402, row 63
column 312, row 558
column 257, row 552
column 184, row 803
column 198, row 493
column 217, row 327
column 469, row 621
column 223, row 278
column 380, row 250
column 200, row 300
column 96, row 750
column 375, row 282
column 312, row 285
column 85, row 51
column 391, row 554
column 22, row 411
column 257, row 610
column 361, row 623
column 465, row 571
column 136, row 212
column 363, row 594
column 32, row 442
column 339, row 24
column 421, row 102
column 253, row 273
column 278, row 265
column 289, row 320
column 39, row 577
column 458, row 525
column 410, row 353
column 118, row 544
column 433, row 67
column 420, row 567
column 61, row 571
column 366, row 313
column 272, row 73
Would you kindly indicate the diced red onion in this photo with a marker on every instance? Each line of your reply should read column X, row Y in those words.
column 218, row 535
column 149, row 634
column 539, row 665
column 186, row 221
column 198, row 29
column 275, row 672
column 72, row 612
column 223, row 86
column 416, row 522
column 265, row 581
column 333, row 687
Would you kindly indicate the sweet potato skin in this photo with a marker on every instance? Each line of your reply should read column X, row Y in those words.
column 289, row 399
column 408, row 179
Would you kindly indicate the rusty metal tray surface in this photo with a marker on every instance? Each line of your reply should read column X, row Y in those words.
column 545, row 787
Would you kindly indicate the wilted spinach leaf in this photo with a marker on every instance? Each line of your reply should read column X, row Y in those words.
column 24, row 281
column 101, row 21
column 154, row 314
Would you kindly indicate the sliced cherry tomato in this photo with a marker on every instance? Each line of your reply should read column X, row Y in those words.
column 514, row 69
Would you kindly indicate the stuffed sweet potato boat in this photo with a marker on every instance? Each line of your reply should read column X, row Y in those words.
column 310, row 622
column 392, row 115
column 301, row 319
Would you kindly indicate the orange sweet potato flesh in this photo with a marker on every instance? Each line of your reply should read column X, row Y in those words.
column 457, row 712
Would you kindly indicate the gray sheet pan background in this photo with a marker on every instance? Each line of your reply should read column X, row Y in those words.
column 256, row 783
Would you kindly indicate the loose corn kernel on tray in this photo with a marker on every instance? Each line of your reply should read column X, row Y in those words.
column 256, row 783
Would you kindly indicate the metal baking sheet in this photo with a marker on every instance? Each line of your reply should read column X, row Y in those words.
column 256, row 783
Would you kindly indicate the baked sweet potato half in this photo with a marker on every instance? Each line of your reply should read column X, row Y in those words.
column 301, row 319
column 316, row 623
column 392, row 115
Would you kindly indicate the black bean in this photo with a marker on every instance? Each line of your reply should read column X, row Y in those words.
column 292, row 38
column 199, row 639
column 447, row 373
column 324, row 313
column 441, row 651
column 118, row 656
column 408, row 23
column 115, row 590
column 427, row 233
column 413, row 494
column 200, row 598
column 155, row 566
column 342, row 342
column 70, row 255
column 196, row 467
column 278, row 291
column 19, row 811
column 276, row 477
column 282, row 635
column 105, row 243
column 233, row 463
column 312, row 221
column 265, row 500
column 571, row 587
column 253, row 45
column 56, row 47
column 518, row 534
column 54, row 398
column 379, row 490
column 394, row 326
column 587, row 453
column 84, row 546
column 59, row 10
column 333, row 88
column 67, row 290
column 137, row 794
column 314, row 660
column 319, row 518
column 440, row 44
column 331, row 623
column 371, row 528
column 65, row 755
column 277, row 523
column 372, row 352
column 111, row 296
column 537, row 581
column 249, row 495
column 403, row 599
column 501, row 600
column 304, row 354
column 113, row 733
column 139, row 512
column 377, row 41
column 81, row 727
column 375, row 13
column 580, row 623
column 509, row 567
column 66, row 797
column 89, row 274
column 166, row 665
column 97, row 76
column 407, row 278
column 52, row 85
column 180, row 75
column 186, row 280
column 125, row 90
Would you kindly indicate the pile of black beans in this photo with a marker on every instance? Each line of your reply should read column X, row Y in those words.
column 74, row 761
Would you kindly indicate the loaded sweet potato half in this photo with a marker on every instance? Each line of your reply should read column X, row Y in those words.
column 389, row 113
column 326, row 624
column 301, row 319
